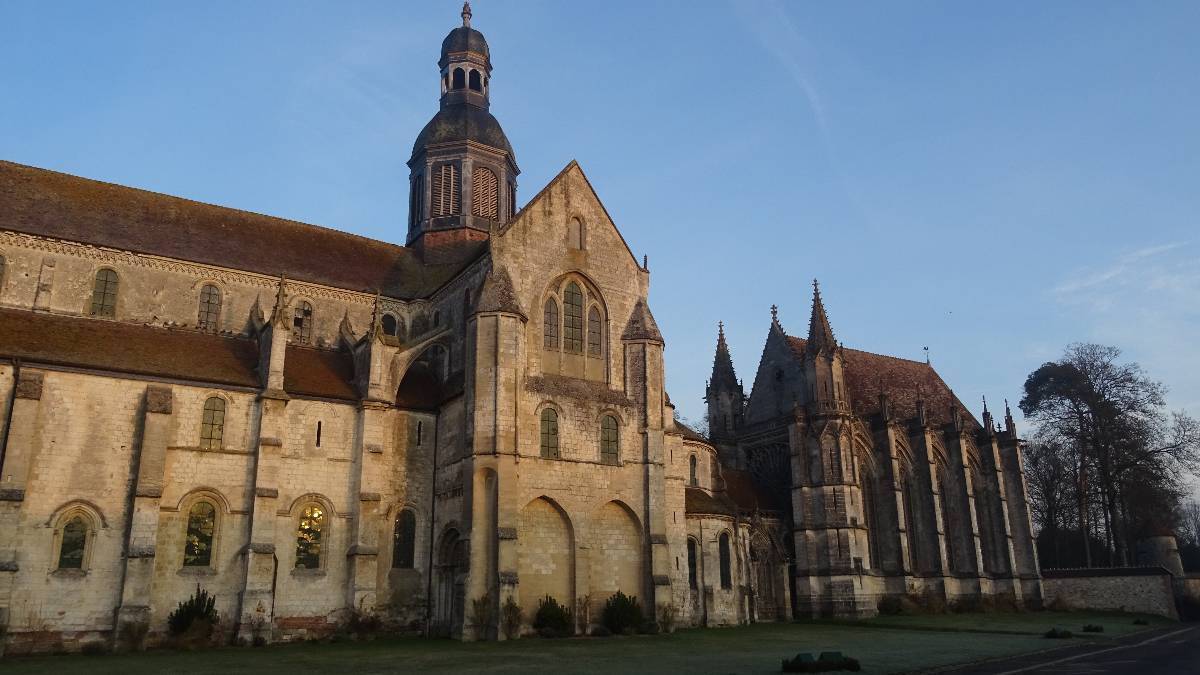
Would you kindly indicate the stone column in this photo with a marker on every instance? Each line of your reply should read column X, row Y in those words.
column 24, row 440
column 370, row 478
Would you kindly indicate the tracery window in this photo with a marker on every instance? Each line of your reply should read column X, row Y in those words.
column 594, row 333
column 447, row 190
column 691, row 555
column 210, row 308
column 308, row 537
column 403, row 538
column 550, row 325
column 212, row 426
column 73, row 543
column 302, row 323
column 201, row 526
column 549, row 445
column 573, row 318
column 484, row 193
column 693, row 478
column 609, row 440
column 723, row 551
column 104, row 294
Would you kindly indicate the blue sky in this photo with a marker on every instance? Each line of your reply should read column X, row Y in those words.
column 992, row 182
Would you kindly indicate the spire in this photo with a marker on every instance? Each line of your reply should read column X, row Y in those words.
column 278, row 312
column 1009, row 425
column 466, row 15
column 723, row 376
column 820, row 335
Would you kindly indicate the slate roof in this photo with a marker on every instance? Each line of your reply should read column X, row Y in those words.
column 456, row 122
column 867, row 374
column 61, row 206
column 700, row 502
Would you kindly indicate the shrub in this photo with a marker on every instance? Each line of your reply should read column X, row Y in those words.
column 193, row 620
column 1058, row 634
column 552, row 619
column 481, row 615
column 1141, row 622
column 666, row 617
column 827, row 662
column 601, row 631
column 510, row 619
column 362, row 624
column 622, row 614
column 891, row 605
column 131, row 635
column 1093, row 628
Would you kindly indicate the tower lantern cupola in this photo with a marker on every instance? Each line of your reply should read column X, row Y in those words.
column 463, row 173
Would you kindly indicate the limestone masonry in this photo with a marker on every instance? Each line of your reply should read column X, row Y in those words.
column 310, row 424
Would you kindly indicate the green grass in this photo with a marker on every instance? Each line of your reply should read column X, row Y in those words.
column 882, row 648
column 1026, row 623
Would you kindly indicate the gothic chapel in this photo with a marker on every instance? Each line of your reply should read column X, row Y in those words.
column 191, row 397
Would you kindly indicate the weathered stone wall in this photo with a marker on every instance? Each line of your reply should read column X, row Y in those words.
column 1142, row 590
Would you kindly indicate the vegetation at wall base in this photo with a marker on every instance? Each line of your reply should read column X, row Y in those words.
column 553, row 620
column 1058, row 634
column 826, row 662
column 192, row 622
column 622, row 614
column 1093, row 628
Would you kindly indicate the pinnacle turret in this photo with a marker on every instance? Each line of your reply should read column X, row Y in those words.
column 820, row 335
column 723, row 375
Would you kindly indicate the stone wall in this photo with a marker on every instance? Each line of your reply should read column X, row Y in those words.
column 1146, row 590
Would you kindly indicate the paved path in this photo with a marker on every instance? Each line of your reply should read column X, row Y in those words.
column 1168, row 651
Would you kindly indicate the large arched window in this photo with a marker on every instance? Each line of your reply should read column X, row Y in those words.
column 446, row 186
column 212, row 425
column 309, row 534
column 691, row 554
column 209, row 316
column 549, row 444
column 947, row 526
column 201, row 526
column 723, row 552
column 693, row 477
column 573, row 318
column 302, row 321
column 403, row 537
column 550, row 325
column 104, row 294
column 485, row 193
column 73, row 543
column 595, row 332
column 610, row 447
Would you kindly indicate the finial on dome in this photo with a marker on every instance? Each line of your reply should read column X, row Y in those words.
column 466, row 15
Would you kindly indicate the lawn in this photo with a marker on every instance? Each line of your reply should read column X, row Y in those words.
column 885, row 645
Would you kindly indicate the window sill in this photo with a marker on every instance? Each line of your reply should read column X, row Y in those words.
column 196, row 571
column 305, row 573
column 69, row 573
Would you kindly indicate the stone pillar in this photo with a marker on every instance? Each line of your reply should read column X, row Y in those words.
column 960, row 482
column 370, row 479
column 142, row 533
column 24, row 440
column 262, row 562
column 1025, row 559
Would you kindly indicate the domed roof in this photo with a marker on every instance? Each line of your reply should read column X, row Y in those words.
column 465, row 39
column 463, row 122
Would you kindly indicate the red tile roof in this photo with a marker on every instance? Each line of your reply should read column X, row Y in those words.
column 61, row 206
column 319, row 372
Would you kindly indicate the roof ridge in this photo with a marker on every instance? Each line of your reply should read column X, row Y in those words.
column 871, row 353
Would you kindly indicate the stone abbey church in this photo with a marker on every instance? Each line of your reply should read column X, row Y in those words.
column 308, row 424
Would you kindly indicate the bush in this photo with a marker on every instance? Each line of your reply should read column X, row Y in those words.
column 552, row 619
column 827, row 662
column 1093, row 628
column 891, row 605
column 601, row 631
column 361, row 624
column 481, row 615
column 1058, row 634
column 193, row 620
column 666, row 617
column 510, row 619
column 622, row 614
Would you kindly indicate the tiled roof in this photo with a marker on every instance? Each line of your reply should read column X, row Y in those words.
column 700, row 502
column 319, row 372
column 901, row 379
column 61, row 206
column 689, row 433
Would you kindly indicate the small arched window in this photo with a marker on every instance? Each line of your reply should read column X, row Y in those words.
column 308, row 537
column 595, row 332
column 302, row 323
column 447, row 190
column 459, row 79
column 209, row 316
column 549, row 445
column 573, row 319
column 474, row 82
column 389, row 325
column 550, row 325
column 575, row 234
column 485, row 193
column 610, row 445
column 691, row 554
column 201, row 526
column 212, row 426
column 403, row 537
column 723, row 551
column 693, row 478
column 73, row 543
column 104, row 294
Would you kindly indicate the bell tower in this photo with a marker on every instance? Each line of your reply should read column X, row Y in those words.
column 463, row 173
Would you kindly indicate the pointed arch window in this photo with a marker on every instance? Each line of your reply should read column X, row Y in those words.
column 595, row 333
column 212, row 425
column 302, row 320
column 723, row 552
column 209, row 316
column 201, row 527
column 610, row 448
column 691, row 554
column 72, row 550
column 403, row 537
column 104, row 294
column 309, row 534
column 460, row 77
column 484, row 193
column 693, row 478
column 573, row 319
column 549, row 444
column 447, row 190
column 550, row 325
column 947, row 526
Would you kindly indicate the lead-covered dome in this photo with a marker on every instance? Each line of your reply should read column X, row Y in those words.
column 463, row 122
column 464, row 39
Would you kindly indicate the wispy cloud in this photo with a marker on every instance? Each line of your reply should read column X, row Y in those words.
column 1121, row 270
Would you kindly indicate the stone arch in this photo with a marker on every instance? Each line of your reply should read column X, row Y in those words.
column 578, row 344
column 545, row 554
column 616, row 552
column 765, row 568
column 451, row 563
column 869, row 476
column 422, row 385
column 75, row 524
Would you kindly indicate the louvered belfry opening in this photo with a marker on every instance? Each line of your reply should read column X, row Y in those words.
column 446, row 191
column 484, row 192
